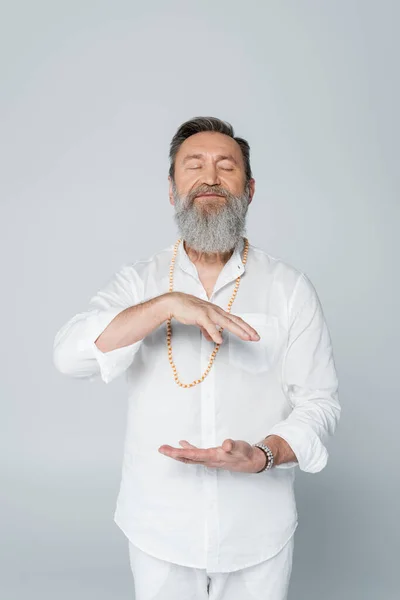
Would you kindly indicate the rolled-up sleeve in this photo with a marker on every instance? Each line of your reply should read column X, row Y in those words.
column 75, row 352
column 309, row 380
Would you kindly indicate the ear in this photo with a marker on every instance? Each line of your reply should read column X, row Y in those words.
column 252, row 189
column 171, row 196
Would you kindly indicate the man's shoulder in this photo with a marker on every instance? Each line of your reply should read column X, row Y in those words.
column 277, row 267
column 159, row 257
column 294, row 283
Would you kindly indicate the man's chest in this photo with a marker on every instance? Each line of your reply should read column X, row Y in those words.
column 208, row 281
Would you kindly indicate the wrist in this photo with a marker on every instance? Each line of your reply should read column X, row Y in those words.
column 259, row 459
column 273, row 444
column 166, row 305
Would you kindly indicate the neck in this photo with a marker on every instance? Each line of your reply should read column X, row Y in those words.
column 207, row 259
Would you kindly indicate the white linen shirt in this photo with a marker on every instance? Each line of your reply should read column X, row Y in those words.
column 283, row 384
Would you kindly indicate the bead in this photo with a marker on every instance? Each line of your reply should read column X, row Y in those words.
column 169, row 328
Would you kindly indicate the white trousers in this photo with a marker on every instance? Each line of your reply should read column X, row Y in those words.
column 156, row 579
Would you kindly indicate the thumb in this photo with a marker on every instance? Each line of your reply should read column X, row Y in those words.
column 228, row 445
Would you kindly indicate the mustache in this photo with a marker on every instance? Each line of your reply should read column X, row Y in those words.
column 206, row 189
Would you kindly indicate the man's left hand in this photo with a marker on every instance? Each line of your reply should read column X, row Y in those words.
column 233, row 455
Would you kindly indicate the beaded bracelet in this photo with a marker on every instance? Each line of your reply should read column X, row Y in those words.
column 269, row 456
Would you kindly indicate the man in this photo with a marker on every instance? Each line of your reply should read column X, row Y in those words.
column 223, row 346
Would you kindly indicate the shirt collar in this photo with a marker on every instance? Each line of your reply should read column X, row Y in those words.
column 232, row 268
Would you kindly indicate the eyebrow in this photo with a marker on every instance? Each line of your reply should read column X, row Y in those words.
column 218, row 157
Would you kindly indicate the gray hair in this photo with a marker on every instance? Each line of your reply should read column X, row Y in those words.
column 199, row 124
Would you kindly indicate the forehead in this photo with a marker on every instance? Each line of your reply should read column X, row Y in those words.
column 210, row 143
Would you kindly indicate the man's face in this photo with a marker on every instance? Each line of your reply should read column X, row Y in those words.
column 209, row 191
column 209, row 159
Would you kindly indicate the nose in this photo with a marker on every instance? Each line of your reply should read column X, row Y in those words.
column 210, row 175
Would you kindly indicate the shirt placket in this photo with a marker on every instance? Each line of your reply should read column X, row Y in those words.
column 208, row 412
column 208, row 404
column 208, row 437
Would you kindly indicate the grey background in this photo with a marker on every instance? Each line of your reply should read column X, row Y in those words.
column 91, row 94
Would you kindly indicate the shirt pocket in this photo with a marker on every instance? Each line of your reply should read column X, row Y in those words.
column 255, row 356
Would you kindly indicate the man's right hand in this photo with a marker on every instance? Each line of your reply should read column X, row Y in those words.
column 191, row 310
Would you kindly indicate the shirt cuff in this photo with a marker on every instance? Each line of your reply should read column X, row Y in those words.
column 113, row 363
column 311, row 454
column 287, row 465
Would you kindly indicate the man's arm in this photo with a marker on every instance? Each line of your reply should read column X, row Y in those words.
column 310, row 381
column 104, row 339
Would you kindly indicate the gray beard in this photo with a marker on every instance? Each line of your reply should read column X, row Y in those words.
column 211, row 228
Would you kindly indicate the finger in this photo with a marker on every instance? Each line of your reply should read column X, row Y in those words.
column 237, row 326
column 186, row 444
column 206, row 334
column 186, row 459
column 202, row 455
column 239, row 321
column 212, row 329
column 178, row 456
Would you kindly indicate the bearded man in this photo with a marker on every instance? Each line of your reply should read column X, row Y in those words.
column 232, row 386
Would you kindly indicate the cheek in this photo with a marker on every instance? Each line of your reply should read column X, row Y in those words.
column 186, row 182
column 191, row 183
column 234, row 185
